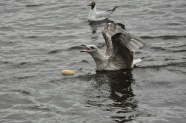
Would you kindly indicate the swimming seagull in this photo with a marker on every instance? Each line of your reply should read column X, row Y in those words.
column 120, row 48
column 99, row 15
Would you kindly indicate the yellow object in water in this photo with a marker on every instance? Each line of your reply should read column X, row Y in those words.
column 68, row 72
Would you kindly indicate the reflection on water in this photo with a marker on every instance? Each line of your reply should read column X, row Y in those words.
column 112, row 92
column 39, row 39
column 95, row 25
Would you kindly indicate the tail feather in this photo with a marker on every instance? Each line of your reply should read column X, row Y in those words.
column 136, row 61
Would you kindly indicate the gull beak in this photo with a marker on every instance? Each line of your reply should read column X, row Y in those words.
column 85, row 48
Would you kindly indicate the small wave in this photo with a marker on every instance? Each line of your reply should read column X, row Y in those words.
column 34, row 5
column 75, row 48
column 26, row 92
column 159, row 48
column 24, row 77
column 40, row 107
column 169, row 50
column 32, row 37
column 181, row 71
column 178, row 46
column 178, row 50
column 55, row 51
column 22, row 63
column 5, row 62
column 84, row 61
column 180, row 64
column 165, row 37
column 4, row 27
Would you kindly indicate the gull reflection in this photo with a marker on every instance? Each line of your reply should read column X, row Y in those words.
column 112, row 91
column 95, row 25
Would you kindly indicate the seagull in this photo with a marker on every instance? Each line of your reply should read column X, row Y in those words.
column 99, row 15
column 120, row 49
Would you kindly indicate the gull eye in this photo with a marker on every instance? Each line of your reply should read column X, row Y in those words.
column 92, row 47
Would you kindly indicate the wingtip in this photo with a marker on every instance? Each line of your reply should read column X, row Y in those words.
column 113, row 9
column 122, row 25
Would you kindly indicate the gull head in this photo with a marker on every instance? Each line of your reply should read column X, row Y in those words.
column 89, row 49
column 93, row 4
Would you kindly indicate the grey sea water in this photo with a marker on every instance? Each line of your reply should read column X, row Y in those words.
column 39, row 38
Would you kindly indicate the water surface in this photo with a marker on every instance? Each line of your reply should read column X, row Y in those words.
column 39, row 38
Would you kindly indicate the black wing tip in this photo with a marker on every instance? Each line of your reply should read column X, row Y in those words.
column 121, row 25
column 113, row 9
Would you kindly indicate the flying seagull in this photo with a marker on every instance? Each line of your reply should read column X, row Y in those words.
column 95, row 15
column 120, row 49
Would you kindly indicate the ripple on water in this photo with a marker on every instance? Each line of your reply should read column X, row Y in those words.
column 165, row 37
column 34, row 5
column 40, row 38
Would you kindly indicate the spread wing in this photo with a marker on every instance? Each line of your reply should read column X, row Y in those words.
column 108, row 32
column 124, row 46
column 134, row 43
column 121, row 53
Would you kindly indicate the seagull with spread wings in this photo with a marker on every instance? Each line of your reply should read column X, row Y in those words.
column 120, row 49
